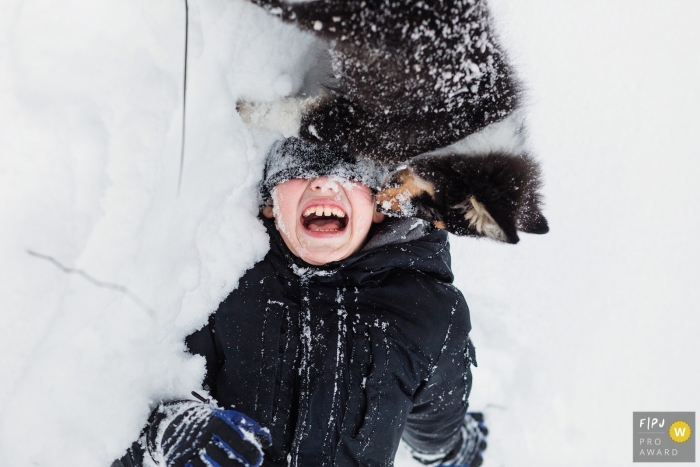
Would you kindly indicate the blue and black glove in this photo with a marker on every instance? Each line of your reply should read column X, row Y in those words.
column 470, row 452
column 197, row 434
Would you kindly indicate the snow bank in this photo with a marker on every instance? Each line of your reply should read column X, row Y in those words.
column 105, row 268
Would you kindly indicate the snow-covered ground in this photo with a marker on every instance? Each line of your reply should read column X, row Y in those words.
column 105, row 267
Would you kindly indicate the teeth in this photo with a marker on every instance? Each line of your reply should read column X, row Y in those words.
column 323, row 211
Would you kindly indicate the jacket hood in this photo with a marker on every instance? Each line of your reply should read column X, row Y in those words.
column 410, row 244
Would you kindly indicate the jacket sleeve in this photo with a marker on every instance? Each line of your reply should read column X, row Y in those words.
column 434, row 424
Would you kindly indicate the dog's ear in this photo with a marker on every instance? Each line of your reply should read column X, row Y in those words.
column 493, row 195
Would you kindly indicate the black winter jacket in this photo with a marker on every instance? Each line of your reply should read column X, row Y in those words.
column 341, row 361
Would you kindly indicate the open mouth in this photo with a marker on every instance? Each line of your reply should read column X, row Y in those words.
column 324, row 219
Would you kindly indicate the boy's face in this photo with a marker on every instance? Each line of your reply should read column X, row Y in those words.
column 323, row 219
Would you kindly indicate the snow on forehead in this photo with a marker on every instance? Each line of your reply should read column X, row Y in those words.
column 365, row 172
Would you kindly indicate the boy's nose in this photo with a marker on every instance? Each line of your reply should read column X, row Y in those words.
column 324, row 183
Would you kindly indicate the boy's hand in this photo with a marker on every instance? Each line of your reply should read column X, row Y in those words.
column 195, row 434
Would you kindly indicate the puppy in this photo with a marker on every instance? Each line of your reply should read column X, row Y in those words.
column 413, row 77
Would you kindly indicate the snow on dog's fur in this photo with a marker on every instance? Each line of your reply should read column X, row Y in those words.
column 412, row 78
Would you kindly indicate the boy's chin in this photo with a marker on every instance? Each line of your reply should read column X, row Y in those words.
column 319, row 251
column 321, row 260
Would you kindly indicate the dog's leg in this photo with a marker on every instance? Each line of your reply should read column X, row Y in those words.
column 282, row 116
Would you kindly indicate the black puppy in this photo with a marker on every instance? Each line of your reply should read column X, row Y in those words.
column 412, row 77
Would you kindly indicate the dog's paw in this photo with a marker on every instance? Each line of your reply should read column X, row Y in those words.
column 282, row 116
column 478, row 220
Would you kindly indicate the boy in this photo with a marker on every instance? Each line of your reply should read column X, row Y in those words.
column 346, row 338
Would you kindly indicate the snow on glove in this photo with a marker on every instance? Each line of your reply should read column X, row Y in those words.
column 195, row 434
column 469, row 453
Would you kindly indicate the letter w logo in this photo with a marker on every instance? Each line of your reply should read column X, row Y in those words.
column 679, row 431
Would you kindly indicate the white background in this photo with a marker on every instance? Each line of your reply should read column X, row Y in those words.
column 574, row 330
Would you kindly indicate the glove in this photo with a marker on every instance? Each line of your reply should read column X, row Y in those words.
column 195, row 434
column 470, row 452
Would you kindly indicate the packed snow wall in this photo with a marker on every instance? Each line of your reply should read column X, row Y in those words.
column 106, row 266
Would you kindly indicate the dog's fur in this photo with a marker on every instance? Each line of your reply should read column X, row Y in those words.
column 492, row 195
column 413, row 77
